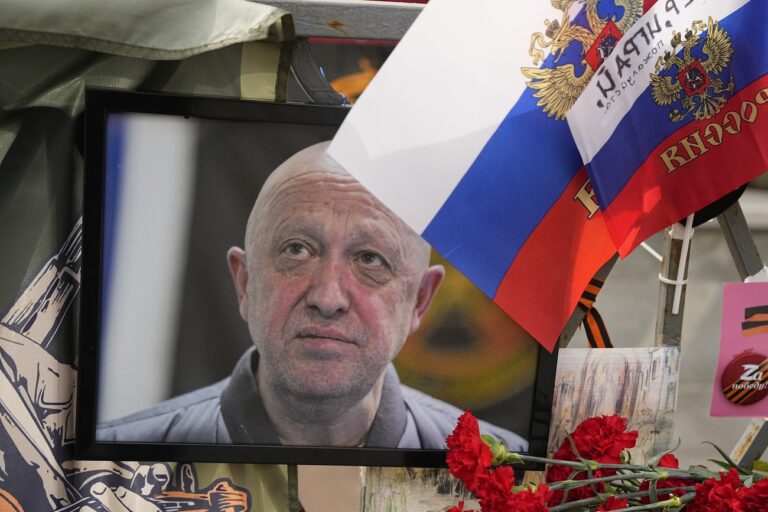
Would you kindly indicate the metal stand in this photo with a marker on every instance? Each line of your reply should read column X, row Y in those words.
column 739, row 239
column 669, row 326
column 294, row 505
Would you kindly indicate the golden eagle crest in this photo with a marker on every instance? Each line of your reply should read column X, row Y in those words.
column 693, row 82
column 559, row 87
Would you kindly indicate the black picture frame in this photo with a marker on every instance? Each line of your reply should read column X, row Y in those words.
column 100, row 104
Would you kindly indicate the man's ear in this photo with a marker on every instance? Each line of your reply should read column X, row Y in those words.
column 427, row 290
column 239, row 273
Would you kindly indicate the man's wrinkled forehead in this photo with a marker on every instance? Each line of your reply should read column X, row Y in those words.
column 335, row 191
column 309, row 201
column 311, row 175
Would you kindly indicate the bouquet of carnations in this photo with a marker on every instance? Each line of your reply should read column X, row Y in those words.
column 592, row 471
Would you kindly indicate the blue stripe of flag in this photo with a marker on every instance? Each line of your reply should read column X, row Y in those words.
column 647, row 125
column 515, row 180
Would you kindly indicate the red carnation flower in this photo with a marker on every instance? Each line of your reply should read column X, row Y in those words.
column 601, row 439
column 468, row 456
column 528, row 500
column 496, row 489
column 497, row 497
column 469, row 459
column 669, row 461
column 613, row 503
column 715, row 495
column 754, row 498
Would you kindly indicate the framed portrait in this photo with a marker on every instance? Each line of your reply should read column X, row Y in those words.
column 245, row 300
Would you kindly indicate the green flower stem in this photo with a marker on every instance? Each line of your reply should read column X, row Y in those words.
column 643, row 494
column 687, row 475
column 569, row 484
column 577, row 505
column 596, row 500
column 634, row 467
column 512, row 458
column 672, row 502
column 623, row 487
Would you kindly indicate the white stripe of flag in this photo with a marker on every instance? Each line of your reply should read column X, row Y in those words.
column 437, row 100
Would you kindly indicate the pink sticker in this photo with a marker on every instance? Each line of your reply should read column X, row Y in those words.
column 741, row 382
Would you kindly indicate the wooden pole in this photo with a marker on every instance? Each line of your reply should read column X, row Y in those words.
column 669, row 326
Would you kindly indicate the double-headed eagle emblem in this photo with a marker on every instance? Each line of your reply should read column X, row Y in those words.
column 559, row 87
column 691, row 81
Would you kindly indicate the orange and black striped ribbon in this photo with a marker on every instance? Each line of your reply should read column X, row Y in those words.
column 755, row 321
column 738, row 396
column 594, row 326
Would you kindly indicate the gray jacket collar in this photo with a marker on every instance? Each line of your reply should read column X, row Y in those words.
column 248, row 423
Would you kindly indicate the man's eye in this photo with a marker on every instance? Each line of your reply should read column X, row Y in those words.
column 371, row 259
column 296, row 250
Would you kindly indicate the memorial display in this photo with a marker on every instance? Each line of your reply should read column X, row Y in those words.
column 209, row 286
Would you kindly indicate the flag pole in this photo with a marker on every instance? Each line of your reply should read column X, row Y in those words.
column 683, row 261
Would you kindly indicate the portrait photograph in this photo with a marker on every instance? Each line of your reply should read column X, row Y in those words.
column 253, row 294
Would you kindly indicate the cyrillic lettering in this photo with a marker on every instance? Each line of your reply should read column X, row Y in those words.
column 692, row 142
column 586, row 196
column 749, row 111
column 732, row 122
column 671, row 160
column 715, row 138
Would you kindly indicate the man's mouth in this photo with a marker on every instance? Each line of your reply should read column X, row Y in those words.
column 324, row 344
column 325, row 334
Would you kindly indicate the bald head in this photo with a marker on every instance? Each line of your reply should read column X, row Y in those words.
column 312, row 169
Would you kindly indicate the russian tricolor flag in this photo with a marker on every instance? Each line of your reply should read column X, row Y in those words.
column 462, row 134
column 672, row 122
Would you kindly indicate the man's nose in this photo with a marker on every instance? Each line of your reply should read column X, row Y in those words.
column 327, row 293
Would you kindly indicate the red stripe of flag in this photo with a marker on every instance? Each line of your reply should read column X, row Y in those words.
column 555, row 264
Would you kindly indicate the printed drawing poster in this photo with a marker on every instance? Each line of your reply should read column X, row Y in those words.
column 741, row 381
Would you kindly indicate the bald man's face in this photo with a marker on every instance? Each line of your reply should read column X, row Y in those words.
column 331, row 284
